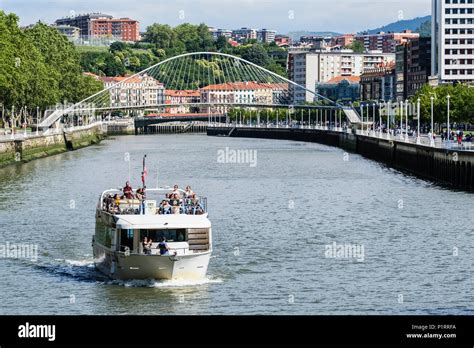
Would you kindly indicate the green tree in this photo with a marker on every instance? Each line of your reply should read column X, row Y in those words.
column 25, row 79
column 461, row 103
column 162, row 35
column 357, row 46
column 113, row 66
column 256, row 54
column 118, row 46
column 222, row 43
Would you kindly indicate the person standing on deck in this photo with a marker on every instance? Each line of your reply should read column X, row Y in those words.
column 128, row 191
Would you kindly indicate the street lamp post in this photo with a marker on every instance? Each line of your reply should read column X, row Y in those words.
column 380, row 122
column 388, row 118
column 373, row 118
column 448, row 130
column 432, row 143
column 13, row 122
column 340, row 120
column 25, row 122
column 407, row 139
column 367, row 123
column 401, row 119
column 418, row 138
column 37, row 119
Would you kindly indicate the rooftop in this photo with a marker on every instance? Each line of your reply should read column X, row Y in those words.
column 182, row 93
column 338, row 79
column 249, row 85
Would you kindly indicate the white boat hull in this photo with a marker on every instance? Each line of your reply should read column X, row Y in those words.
column 136, row 266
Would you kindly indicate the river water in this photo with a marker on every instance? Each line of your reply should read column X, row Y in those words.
column 276, row 223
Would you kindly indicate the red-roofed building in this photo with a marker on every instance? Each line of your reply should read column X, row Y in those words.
column 180, row 97
column 342, row 89
column 350, row 79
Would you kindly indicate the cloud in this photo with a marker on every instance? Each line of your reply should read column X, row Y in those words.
column 314, row 15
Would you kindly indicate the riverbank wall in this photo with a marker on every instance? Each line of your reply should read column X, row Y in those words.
column 448, row 167
column 25, row 149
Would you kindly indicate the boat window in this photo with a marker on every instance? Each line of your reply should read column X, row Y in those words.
column 104, row 234
column 126, row 239
column 178, row 235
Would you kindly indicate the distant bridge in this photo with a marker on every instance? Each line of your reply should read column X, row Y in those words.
column 221, row 79
column 142, row 123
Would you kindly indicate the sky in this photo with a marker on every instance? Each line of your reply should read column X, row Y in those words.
column 282, row 15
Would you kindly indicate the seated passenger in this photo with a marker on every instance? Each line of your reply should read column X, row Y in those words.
column 165, row 208
column 164, row 250
column 128, row 191
column 188, row 193
column 175, row 203
column 116, row 202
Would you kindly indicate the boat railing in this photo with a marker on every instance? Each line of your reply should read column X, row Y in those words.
column 135, row 206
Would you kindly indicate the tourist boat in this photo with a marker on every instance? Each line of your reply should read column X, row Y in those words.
column 123, row 224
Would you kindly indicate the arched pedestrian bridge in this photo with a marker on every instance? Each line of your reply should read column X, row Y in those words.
column 204, row 83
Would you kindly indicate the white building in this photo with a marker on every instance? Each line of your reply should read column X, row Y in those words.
column 216, row 33
column 135, row 91
column 225, row 95
column 243, row 34
column 453, row 40
column 266, row 36
column 311, row 68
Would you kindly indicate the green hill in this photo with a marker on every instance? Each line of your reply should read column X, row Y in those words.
column 396, row 27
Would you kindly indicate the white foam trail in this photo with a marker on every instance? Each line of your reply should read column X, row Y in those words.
column 181, row 283
column 165, row 283
column 80, row 263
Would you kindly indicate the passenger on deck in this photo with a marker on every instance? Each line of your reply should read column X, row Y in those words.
column 194, row 207
column 165, row 208
column 176, row 191
column 188, row 193
column 164, row 250
column 175, row 203
column 128, row 191
column 140, row 195
column 116, row 202
column 147, row 245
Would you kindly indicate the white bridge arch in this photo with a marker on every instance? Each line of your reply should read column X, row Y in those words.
column 198, row 71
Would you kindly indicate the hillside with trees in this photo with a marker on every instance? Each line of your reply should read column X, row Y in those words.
column 39, row 67
column 161, row 41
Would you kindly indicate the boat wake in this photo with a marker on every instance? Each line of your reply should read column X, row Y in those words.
column 152, row 283
column 81, row 270
column 84, row 270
